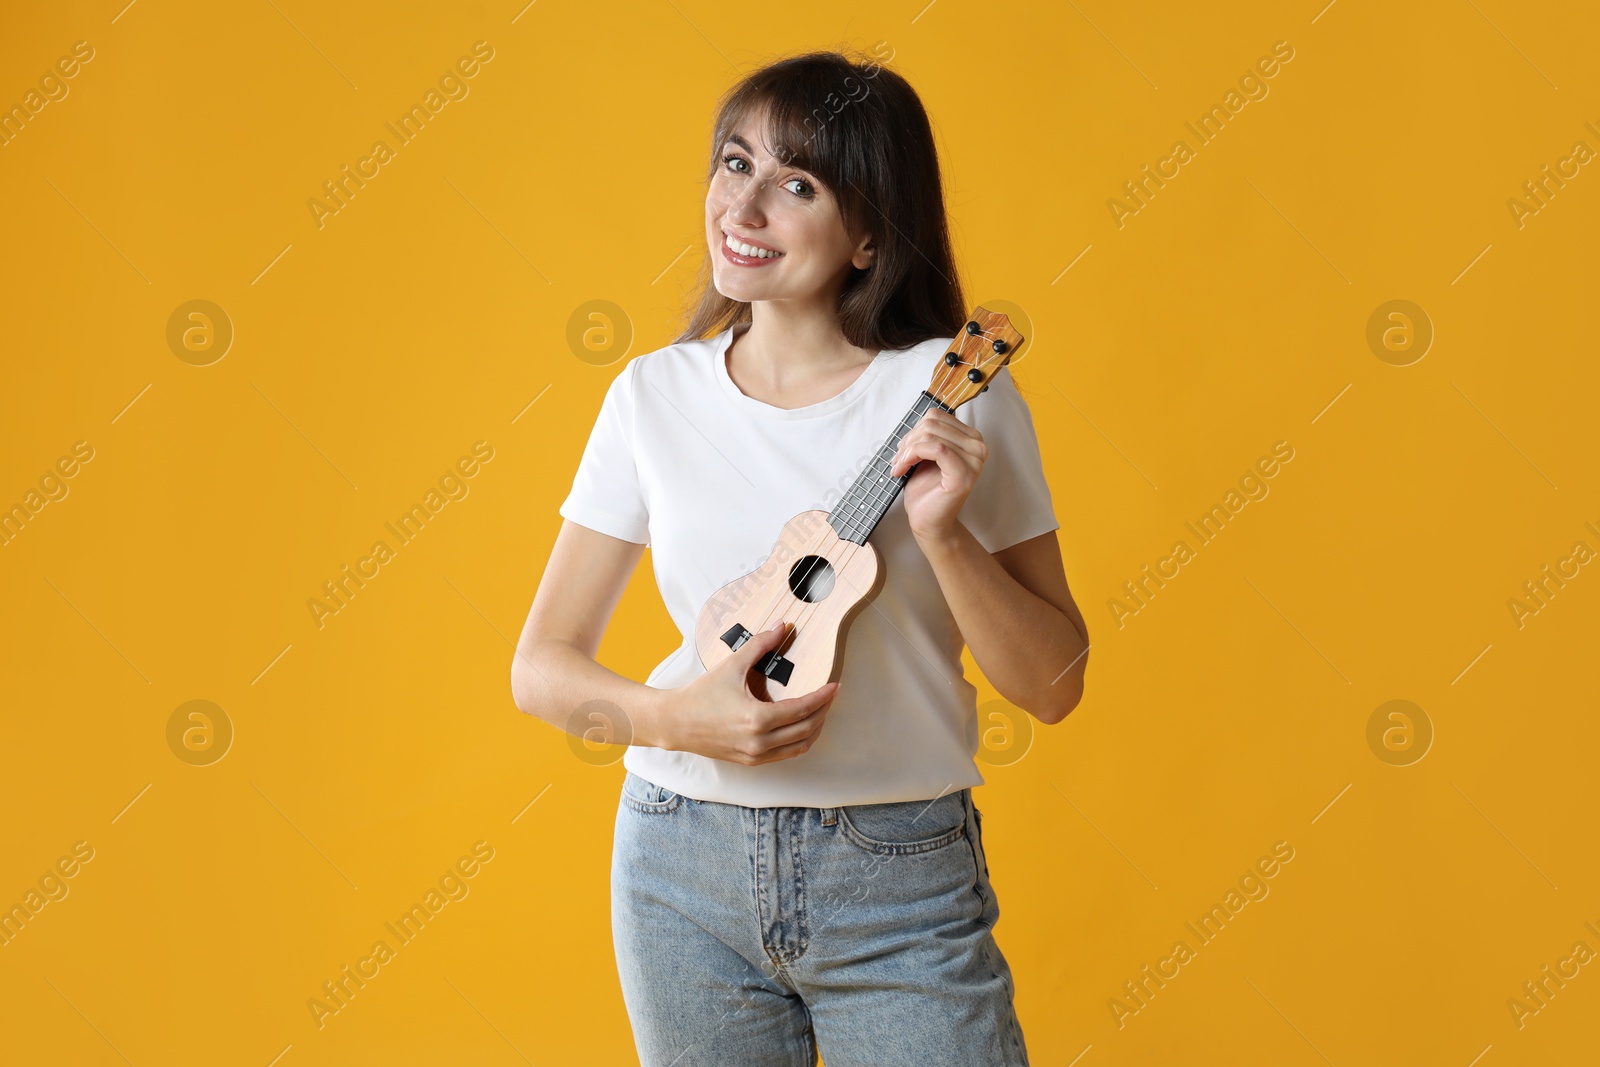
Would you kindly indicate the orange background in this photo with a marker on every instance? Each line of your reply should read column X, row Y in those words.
column 1228, row 313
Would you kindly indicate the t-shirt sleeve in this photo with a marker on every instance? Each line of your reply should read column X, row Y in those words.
column 606, row 494
column 1011, row 500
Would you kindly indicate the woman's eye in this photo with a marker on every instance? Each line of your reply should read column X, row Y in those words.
column 740, row 165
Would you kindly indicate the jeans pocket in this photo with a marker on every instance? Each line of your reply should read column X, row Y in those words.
column 647, row 798
column 980, row 866
column 905, row 827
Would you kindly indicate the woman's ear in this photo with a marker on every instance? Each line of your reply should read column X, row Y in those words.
column 865, row 254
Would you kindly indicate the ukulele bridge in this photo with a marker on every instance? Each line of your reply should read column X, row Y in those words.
column 774, row 666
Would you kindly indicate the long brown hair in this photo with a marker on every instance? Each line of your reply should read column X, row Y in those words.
column 862, row 131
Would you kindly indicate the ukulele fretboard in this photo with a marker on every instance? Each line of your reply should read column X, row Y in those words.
column 869, row 497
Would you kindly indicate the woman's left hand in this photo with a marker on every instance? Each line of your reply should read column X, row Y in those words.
column 951, row 456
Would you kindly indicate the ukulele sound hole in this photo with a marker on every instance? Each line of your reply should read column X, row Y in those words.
column 811, row 578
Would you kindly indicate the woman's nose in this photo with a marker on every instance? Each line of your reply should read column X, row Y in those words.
column 746, row 206
column 749, row 203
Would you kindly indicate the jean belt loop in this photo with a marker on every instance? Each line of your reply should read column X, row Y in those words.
column 829, row 816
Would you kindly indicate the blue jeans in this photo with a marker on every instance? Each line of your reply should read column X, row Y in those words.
column 750, row 937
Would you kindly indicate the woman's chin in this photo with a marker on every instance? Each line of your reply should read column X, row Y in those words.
column 743, row 293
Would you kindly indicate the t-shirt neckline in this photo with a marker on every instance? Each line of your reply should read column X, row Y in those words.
column 761, row 408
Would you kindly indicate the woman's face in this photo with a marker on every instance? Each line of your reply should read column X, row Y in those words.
column 804, row 251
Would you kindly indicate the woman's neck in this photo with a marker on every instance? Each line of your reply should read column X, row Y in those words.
column 786, row 347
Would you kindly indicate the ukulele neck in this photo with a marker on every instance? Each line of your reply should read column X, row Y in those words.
column 869, row 497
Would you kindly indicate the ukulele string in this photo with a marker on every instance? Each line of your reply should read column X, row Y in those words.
column 942, row 378
column 806, row 611
column 810, row 550
column 944, row 375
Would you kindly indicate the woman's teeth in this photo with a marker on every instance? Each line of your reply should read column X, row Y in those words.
column 749, row 250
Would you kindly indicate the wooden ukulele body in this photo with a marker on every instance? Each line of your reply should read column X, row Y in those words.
column 814, row 580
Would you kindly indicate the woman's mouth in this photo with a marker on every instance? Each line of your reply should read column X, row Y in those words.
column 742, row 254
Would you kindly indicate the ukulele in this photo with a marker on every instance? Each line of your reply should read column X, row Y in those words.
column 822, row 571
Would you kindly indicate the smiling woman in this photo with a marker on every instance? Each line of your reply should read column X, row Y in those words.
column 746, row 925
column 847, row 171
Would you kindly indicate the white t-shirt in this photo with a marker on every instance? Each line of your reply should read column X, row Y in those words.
column 682, row 460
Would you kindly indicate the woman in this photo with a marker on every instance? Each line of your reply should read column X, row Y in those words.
column 809, row 871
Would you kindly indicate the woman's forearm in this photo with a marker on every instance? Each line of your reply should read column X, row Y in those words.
column 557, row 682
column 1030, row 651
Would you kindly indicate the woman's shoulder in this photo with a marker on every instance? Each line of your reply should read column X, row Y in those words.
column 672, row 361
column 918, row 361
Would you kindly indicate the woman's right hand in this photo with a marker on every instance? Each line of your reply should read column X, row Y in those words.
column 716, row 715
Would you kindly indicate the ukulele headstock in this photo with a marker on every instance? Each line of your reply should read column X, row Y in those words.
column 984, row 345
